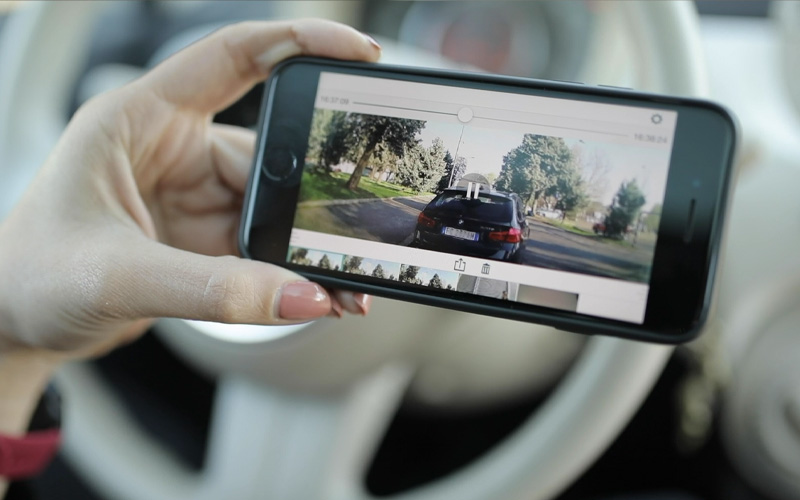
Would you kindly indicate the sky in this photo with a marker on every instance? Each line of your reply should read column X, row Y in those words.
column 315, row 256
column 448, row 278
column 484, row 148
column 389, row 268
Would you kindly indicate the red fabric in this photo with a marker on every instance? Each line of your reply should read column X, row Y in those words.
column 26, row 456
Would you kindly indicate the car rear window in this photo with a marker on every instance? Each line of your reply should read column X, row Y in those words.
column 485, row 206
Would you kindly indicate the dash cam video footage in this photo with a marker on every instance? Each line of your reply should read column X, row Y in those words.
column 534, row 195
column 569, row 205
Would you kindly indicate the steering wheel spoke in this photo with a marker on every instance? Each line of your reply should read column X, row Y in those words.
column 267, row 443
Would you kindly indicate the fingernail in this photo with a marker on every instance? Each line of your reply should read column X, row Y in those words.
column 372, row 42
column 303, row 300
column 363, row 302
column 336, row 308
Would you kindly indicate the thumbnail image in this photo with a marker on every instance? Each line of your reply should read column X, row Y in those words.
column 371, row 267
column 316, row 258
column 566, row 301
column 486, row 287
column 434, row 278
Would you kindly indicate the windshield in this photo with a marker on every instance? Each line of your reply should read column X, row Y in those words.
column 485, row 207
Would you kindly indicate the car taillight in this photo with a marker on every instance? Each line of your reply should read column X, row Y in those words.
column 513, row 235
column 424, row 220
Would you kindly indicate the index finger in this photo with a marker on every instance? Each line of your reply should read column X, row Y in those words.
column 214, row 72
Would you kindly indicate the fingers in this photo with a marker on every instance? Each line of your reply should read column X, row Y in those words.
column 213, row 73
column 353, row 302
column 232, row 155
column 159, row 281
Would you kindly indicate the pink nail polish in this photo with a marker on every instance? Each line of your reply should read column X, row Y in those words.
column 336, row 308
column 363, row 302
column 372, row 41
column 303, row 300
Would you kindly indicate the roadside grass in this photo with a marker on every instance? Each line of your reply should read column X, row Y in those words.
column 332, row 187
column 567, row 226
column 645, row 239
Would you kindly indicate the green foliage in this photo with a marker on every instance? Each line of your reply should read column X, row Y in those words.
column 324, row 262
column 352, row 265
column 539, row 165
column 332, row 187
column 378, row 272
column 625, row 209
column 338, row 136
column 299, row 256
column 569, row 189
column 330, row 140
column 383, row 160
column 408, row 274
column 453, row 171
column 436, row 282
column 392, row 134
column 422, row 168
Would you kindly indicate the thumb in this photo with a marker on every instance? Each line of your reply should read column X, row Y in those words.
column 161, row 281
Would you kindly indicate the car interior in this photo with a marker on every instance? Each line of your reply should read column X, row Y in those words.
column 413, row 402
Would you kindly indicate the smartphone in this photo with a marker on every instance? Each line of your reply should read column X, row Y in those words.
column 595, row 210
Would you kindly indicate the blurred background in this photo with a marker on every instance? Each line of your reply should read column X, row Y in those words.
column 723, row 420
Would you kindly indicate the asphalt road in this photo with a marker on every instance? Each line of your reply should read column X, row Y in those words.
column 393, row 221
column 555, row 248
column 390, row 220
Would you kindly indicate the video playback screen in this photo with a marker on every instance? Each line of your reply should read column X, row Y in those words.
column 540, row 201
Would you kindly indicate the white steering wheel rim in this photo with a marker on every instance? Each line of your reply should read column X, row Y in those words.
column 547, row 453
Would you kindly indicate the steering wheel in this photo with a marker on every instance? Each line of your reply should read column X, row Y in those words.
column 299, row 411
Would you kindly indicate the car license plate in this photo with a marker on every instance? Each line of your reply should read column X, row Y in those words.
column 460, row 233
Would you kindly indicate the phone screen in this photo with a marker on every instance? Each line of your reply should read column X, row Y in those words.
column 536, row 200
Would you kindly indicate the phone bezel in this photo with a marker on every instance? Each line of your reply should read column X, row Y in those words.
column 682, row 273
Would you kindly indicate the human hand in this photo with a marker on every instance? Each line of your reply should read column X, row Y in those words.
column 135, row 213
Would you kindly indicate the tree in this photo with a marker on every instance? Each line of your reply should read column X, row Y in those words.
column 624, row 209
column 533, row 167
column 299, row 256
column 653, row 218
column 453, row 171
column 395, row 134
column 436, row 282
column 332, row 139
column 324, row 262
column 422, row 168
column 378, row 272
column 391, row 277
column 569, row 189
column 318, row 133
column 408, row 274
column 384, row 161
column 353, row 265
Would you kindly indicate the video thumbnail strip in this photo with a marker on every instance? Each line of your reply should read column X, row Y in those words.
column 433, row 278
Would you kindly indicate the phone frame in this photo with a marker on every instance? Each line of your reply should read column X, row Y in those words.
column 685, row 257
